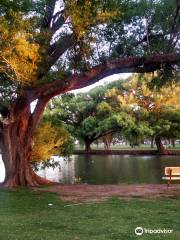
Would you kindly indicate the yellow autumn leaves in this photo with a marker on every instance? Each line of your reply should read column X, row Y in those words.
column 86, row 14
column 18, row 53
column 139, row 94
column 49, row 140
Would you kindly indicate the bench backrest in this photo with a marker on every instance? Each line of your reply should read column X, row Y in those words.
column 172, row 170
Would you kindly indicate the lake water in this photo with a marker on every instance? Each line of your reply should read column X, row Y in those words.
column 111, row 169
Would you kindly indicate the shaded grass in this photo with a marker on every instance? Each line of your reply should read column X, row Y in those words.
column 26, row 215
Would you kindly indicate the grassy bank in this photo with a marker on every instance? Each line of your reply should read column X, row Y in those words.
column 125, row 147
column 125, row 152
column 25, row 215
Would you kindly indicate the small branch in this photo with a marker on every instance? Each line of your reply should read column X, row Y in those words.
column 59, row 47
column 175, row 27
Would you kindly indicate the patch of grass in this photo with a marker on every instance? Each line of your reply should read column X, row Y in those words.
column 26, row 215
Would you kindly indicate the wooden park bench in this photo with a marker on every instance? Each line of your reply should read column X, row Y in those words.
column 171, row 173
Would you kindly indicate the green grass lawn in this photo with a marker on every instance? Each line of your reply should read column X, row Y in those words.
column 25, row 215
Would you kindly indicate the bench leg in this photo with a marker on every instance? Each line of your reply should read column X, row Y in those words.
column 168, row 183
column 169, row 178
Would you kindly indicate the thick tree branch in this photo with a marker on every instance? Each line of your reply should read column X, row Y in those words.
column 106, row 133
column 58, row 22
column 38, row 111
column 123, row 65
column 59, row 47
column 48, row 14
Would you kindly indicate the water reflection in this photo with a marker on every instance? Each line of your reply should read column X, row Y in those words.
column 64, row 173
column 110, row 169
column 123, row 169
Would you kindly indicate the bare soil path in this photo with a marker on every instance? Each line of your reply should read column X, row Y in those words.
column 90, row 193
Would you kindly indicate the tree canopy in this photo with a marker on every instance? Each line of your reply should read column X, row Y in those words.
column 67, row 45
column 157, row 112
column 88, row 117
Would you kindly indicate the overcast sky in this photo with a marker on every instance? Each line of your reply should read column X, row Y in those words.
column 104, row 81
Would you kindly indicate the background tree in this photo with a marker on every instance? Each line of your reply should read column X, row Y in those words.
column 88, row 117
column 157, row 112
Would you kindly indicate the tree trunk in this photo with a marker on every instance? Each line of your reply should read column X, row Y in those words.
column 16, row 147
column 88, row 146
column 16, row 152
column 160, row 147
column 107, row 142
column 173, row 142
column 152, row 142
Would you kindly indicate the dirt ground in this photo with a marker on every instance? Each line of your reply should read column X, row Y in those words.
column 78, row 193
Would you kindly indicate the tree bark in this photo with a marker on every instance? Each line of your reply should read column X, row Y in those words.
column 173, row 142
column 16, row 137
column 160, row 147
column 88, row 146
column 107, row 142
column 152, row 142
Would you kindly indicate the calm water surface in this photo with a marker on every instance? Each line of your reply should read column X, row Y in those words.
column 112, row 169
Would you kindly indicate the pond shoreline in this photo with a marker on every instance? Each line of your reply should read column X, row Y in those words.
column 126, row 152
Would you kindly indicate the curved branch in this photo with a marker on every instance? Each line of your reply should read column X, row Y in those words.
column 123, row 65
column 106, row 133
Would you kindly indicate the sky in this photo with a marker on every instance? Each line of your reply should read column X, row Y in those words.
column 103, row 81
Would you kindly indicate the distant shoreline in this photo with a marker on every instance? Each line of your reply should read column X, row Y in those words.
column 126, row 152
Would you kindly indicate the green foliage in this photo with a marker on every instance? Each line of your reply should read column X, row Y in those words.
column 156, row 17
column 104, row 108
column 90, row 116
column 132, row 111
column 24, row 6
column 101, row 30
column 136, row 134
column 51, row 140
column 119, row 25
column 156, row 112
column 87, row 14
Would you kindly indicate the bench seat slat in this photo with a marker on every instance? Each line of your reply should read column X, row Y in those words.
column 172, row 178
column 174, row 170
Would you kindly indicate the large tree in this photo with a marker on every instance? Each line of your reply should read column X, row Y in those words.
column 88, row 116
column 48, row 47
